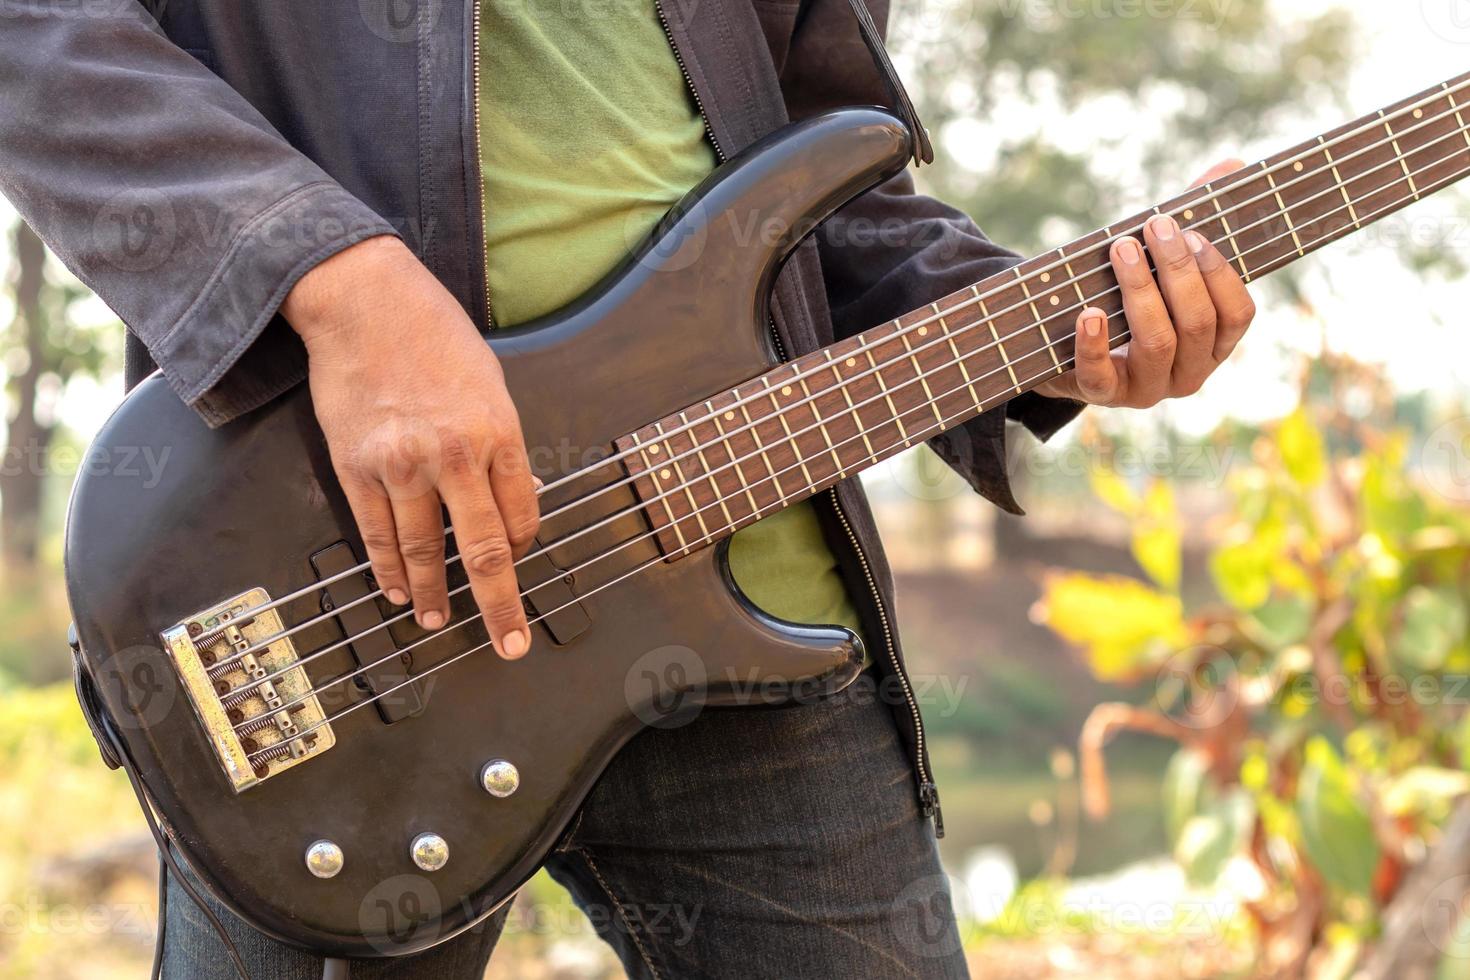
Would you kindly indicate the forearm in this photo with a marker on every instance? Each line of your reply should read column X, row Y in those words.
column 166, row 193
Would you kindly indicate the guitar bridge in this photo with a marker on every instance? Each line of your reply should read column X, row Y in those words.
column 258, row 710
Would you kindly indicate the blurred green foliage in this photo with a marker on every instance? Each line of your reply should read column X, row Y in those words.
column 1317, row 702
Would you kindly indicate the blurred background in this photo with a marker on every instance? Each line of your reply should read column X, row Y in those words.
column 1202, row 713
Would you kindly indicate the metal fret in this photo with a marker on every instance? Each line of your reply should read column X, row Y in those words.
column 959, row 361
column 919, row 373
column 755, row 434
column 1458, row 117
column 811, row 403
column 1040, row 322
column 1229, row 234
column 1341, row 184
column 688, row 488
column 1409, row 174
column 659, row 478
column 1285, row 213
column 1076, row 282
column 709, row 474
column 1004, row 357
column 883, row 387
column 781, row 417
column 851, row 408
column 734, row 460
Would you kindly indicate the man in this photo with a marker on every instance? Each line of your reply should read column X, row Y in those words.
column 336, row 193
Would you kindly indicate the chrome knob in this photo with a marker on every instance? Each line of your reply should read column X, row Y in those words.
column 324, row 859
column 500, row 778
column 429, row 851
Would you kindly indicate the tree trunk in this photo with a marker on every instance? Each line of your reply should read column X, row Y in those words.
column 1422, row 920
column 22, row 477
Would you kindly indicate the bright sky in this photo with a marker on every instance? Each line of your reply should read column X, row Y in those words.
column 1370, row 306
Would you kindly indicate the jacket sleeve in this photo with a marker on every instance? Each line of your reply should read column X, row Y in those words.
column 894, row 250
column 165, row 192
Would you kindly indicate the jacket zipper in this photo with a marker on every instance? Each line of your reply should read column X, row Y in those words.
column 928, row 792
column 663, row 22
column 479, row 161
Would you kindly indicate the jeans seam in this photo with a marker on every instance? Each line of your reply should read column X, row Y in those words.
column 618, row 907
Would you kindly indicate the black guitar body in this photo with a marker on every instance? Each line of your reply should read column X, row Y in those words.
column 170, row 518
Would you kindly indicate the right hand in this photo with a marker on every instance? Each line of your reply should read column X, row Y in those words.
column 415, row 411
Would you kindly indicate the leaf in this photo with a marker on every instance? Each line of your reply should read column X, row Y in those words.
column 1122, row 625
column 1301, row 448
column 1113, row 490
column 1434, row 622
column 1242, row 573
column 1157, row 539
column 1336, row 832
column 1284, row 622
column 1210, row 839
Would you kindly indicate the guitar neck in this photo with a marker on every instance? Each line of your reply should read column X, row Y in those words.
column 793, row 432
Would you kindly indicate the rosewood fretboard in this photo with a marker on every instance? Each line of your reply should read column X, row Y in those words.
column 779, row 438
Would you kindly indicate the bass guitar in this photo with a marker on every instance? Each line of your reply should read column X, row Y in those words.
column 348, row 783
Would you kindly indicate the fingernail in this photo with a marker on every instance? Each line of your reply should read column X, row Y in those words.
column 1093, row 323
column 1130, row 252
column 537, row 482
column 1196, row 241
column 515, row 644
column 398, row 597
column 1164, row 228
column 432, row 620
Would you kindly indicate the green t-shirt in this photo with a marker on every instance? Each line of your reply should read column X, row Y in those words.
column 588, row 135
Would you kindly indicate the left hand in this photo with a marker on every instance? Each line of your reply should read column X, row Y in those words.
column 1184, row 325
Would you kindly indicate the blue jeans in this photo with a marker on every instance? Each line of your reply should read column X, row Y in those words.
column 748, row 843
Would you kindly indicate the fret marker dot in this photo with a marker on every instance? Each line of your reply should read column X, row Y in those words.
column 1056, row 301
column 729, row 416
column 653, row 450
column 923, row 331
column 1299, row 166
column 1046, row 277
column 852, row 362
column 1418, row 113
column 664, row 474
column 786, row 389
column 1189, row 215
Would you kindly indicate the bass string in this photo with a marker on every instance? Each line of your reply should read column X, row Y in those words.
column 1369, row 125
column 488, row 645
column 735, row 462
column 933, row 428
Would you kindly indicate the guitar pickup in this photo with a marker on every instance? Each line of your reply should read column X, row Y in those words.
column 550, row 600
column 384, row 668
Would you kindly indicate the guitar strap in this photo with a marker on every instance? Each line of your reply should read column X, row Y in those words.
column 902, row 104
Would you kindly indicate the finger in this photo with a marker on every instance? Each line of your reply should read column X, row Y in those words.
column 420, row 527
column 485, row 551
column 1222, row 169
column 1151, row 349
column 373, row 511
column 1095, row 378
column 1191, row 310
column 514, row 487
column 1234, row 308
